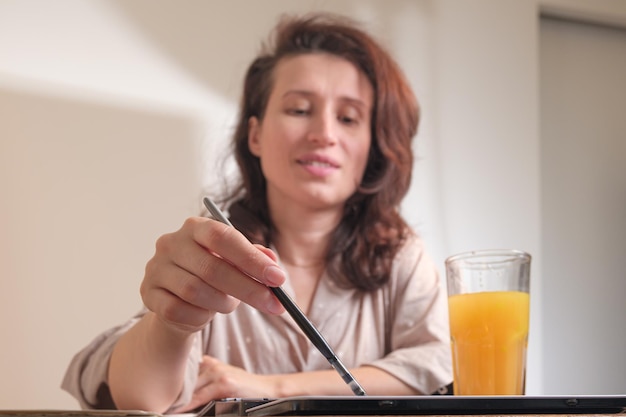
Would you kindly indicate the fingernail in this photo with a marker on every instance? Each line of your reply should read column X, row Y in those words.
column 274, row 276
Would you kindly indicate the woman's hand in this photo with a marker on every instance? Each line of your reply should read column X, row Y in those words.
column 218, row 380
column 204, row 268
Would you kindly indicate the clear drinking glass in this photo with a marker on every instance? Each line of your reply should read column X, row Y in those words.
column 489, row 303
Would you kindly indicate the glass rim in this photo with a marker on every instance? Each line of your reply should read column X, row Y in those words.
column 489, row 254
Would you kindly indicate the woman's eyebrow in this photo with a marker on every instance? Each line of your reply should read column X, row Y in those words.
column 298, row 93
column 350, row 99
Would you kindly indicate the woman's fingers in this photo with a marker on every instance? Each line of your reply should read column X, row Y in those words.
column 207, row 267
column 267, row 251
column 232, row 246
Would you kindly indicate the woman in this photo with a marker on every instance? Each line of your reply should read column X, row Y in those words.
column 323, row 144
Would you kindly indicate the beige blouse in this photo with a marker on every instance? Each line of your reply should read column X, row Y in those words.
column 401, row 328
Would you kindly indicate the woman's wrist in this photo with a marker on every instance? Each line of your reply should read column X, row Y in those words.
column 168, row 332
column 310, row 383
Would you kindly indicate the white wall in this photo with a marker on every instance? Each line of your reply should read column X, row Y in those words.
column 583, row 162
column 112, row 113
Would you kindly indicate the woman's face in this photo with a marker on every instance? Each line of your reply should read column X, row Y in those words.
column 314, row 139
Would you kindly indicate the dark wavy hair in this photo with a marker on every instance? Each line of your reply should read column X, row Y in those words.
column 371, row 230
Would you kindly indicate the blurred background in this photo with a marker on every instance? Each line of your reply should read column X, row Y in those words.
column 114, row 116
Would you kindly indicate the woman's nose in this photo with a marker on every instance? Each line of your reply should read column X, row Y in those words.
column 322, row 129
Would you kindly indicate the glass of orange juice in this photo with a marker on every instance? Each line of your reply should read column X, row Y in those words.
column 488, row 304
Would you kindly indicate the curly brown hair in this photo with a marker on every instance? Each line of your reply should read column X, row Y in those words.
column 371, row 230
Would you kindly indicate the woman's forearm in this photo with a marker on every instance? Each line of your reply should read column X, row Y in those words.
column 375, row 382
column 147, row 366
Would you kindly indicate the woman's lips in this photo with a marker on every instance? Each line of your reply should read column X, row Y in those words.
column 318, row 165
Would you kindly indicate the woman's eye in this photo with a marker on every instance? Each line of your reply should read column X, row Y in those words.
column 349, row 116
column 348, row 120
column 297, row 111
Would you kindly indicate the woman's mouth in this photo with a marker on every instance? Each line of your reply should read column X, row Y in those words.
column 318, row 166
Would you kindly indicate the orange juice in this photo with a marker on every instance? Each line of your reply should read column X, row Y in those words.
column 489, row 334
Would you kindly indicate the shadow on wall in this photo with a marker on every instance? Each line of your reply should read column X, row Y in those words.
column 86, row 190
column 204, row 37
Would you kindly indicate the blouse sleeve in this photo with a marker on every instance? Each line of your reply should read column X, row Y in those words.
column 86, row 376
column 418, row 337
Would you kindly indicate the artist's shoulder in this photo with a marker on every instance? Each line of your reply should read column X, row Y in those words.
column 413, row 247
column 413, row 261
